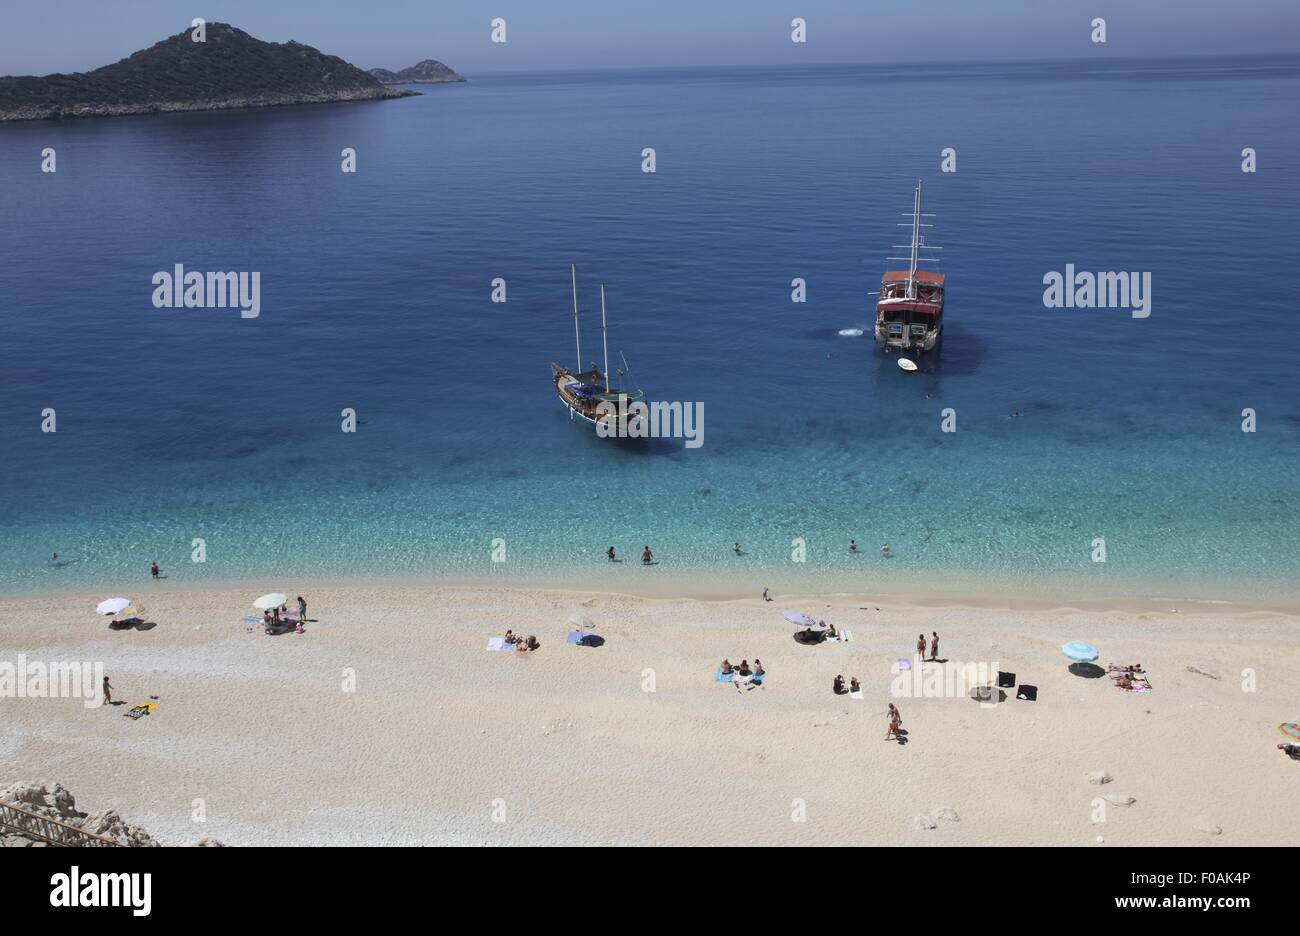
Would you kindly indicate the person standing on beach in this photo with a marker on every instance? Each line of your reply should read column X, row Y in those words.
column 765, row 595
column 302, row 609
column 153, row 569
column 934, row 646
column 647, row 556
column 108, row 692
column 895, row 722
column 920, row 647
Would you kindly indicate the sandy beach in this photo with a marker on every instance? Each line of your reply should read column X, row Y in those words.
column 633, row 742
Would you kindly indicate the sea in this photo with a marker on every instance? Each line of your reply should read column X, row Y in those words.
column 1062, row 452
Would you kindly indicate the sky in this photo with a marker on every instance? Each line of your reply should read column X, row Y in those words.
column 44, row 36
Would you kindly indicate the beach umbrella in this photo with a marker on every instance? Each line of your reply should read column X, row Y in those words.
column 112, row 605
column 1290, row 729
column 273, row 600
column 798, row 617
column 581, row 622
column 1079, row 652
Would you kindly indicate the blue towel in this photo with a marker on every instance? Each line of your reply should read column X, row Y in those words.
column 575, row 637
column 720, row 676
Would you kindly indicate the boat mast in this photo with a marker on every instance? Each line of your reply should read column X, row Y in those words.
column 603, row 340
column 915, row 259
column 577, row 337
column 916, row 242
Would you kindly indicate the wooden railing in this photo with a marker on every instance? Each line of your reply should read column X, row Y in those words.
column 14, row 820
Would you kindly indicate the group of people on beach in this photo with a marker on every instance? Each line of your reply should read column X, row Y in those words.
column 838, row 686
column 934, row 647
column 520, row 642
column 743, row 674
column 275, row 618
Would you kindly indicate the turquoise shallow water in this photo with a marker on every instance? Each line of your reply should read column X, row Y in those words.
column 176, row 424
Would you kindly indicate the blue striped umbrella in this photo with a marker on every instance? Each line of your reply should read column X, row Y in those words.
column 1079, row 652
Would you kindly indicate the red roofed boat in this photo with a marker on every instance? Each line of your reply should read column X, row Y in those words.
column 909, row 310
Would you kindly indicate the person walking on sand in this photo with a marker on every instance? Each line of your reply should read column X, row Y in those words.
column 108, row 692
column 920, row 647
column 302, row 609
column 934, row 646
column 647, row 556
column 153, row 569
column 895, row 723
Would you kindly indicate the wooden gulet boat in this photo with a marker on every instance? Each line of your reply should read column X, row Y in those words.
column 909, row 310
column 584, row 392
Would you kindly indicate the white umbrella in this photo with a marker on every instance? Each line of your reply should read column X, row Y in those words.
column 1079, row 652
column 798, row 617
column 581, row 622
column 273, row 600
column 112, row 605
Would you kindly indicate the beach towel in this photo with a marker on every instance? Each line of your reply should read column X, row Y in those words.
column 499, row 643
column 1028, row 693
column 841, row 636
column 1006, row 680
column 720, row 676
column 144, row 708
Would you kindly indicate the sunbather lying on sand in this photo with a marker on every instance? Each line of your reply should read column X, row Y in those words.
column 1135, row 668
column 524, row 644
column 1291, row 748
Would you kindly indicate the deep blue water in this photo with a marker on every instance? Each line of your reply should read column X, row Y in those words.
column 175, row 424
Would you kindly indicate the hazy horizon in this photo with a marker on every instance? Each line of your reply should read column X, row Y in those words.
column 580, row 35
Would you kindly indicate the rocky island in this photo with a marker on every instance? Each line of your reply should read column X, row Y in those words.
column 229, row 69
column 426, row 72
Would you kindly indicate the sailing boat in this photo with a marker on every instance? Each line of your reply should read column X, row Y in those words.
column 909, row 312
column 583, row 392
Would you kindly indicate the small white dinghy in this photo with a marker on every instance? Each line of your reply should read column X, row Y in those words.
column 906, row 365
column 850, row 332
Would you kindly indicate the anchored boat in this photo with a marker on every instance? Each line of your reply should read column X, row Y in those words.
column 909, row 310
column 583, row 392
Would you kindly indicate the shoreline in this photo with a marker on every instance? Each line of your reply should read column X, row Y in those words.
column 91, row 110
column 699, row 587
